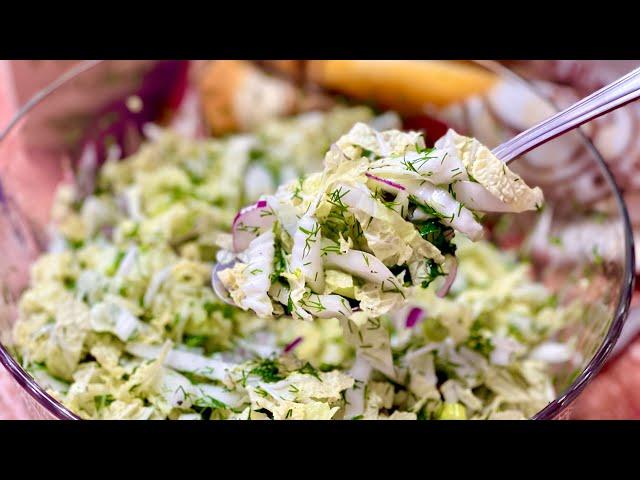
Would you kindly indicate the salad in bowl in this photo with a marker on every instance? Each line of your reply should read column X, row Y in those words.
column 331, row 263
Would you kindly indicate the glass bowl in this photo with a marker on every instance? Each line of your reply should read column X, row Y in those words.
column 38, row 147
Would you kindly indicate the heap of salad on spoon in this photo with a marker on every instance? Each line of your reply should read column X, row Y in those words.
column 352, row 241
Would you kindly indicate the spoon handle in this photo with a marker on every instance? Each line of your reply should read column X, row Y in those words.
column 616, row 94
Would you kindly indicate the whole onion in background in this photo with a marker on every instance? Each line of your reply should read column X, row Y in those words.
column 615, row 393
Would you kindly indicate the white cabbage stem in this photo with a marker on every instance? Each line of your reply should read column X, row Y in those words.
column 452, row 212
column 362, row 265
column 306, row 253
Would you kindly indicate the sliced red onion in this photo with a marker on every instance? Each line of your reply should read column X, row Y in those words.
column 559, row 151
column 249, row 223
column 292, row 345
column 483, row 124
column 385, row 182
column 415, row 315
column 451, row 276
column 455, row 115
column 516, row 105
column 616, row 134
column 259, row 204
column 555, row 175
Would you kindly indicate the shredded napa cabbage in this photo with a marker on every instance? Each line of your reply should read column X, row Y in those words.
column 121, row 322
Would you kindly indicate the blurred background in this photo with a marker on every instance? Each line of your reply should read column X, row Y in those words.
column 225, row 91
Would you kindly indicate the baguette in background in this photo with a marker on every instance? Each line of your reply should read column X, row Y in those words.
column 237, row 95
column 408, row 86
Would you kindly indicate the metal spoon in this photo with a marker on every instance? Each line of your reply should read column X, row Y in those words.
column 218, row 287
column 618, row 93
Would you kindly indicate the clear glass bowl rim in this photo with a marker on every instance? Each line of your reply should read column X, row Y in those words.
column 549, row 412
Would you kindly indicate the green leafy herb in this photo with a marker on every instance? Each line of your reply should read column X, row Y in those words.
column 367, row 153
column 210, row 308
column 256, row 154
column 434, row 330
column 113, row 268
column 555, row 240
column 434, row 270
column 267, row 370
column 311, row 237
column 279, row 261
column 69, row 283
column 424, row 207
column 480, row 338
column 195, row 340
column 102, row 401
column 309, row 369
column 438, row 234
column 298, row 189
column 75, row 244
column 597, row 258
column 208, row 401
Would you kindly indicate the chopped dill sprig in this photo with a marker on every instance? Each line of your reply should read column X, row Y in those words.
column 242, row 227
column 309, row 369
column 308, row 302
column 298, row 189
column 333, row 248
column 268, row 370
column 311, row 237
column 424, row 207
column 434, row 270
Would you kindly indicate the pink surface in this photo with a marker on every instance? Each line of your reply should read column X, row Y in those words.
column 7, row 97
column 9, row 409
